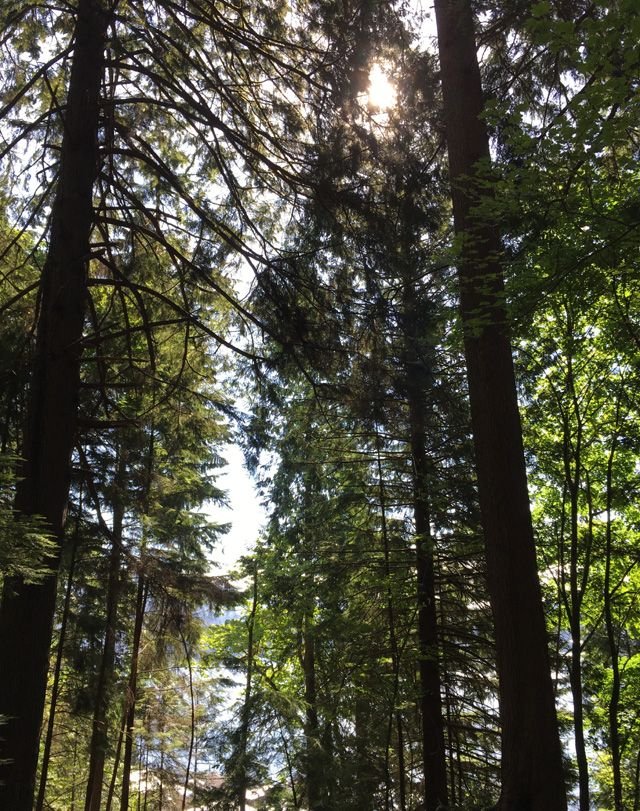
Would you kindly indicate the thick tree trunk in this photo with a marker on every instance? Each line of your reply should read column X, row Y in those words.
column 532, row 775
column 27, row 610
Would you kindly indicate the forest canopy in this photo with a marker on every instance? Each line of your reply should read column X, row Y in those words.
column 390, row 251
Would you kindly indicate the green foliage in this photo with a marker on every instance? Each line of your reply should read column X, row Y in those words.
column 25, row 544
column 236, row 140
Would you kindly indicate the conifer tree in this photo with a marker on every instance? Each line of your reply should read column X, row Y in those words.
column 50, row 432
column 531, row 766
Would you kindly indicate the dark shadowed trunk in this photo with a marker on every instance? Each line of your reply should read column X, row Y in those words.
column 532, row 776
column 27, row 610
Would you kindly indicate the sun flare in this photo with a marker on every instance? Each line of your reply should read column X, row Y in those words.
column 382, row 91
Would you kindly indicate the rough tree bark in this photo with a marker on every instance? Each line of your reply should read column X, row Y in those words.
column 532, row 775
column 27, row 610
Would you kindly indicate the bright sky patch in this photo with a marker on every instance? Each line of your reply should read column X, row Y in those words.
column 382, row 91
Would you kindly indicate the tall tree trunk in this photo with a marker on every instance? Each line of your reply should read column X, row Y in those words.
column 453, row 742
column 290, row 768
column 146, row 780
column 579, row 559
column 57, row 670
column 27, row 610
column 116, row 760
column 74, row 767
column 612, row 636
column 313, row 760
column 161, row 775
column 99, row 737
column 532, row 775
column 575, row 680
column 248, row 691
column 572, row 452
column 192, row 728
column 132, row 690
column 434, row 757
column 395, row 713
